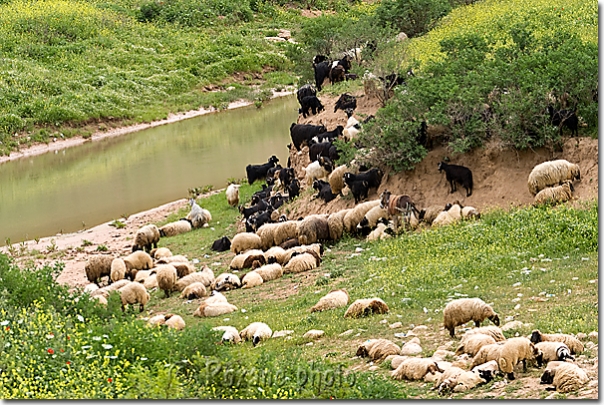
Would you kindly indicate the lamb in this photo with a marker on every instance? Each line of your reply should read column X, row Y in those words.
column 205, row 276
column 335, row 222
column 194, row 290
column 245, row 260
column 270, row 272
column 89, row 288
column 214, row 309
column 300, row 262
column 221, row 245
column 554, row 351
column 493, row 331
column 457, row 174
column 175, row 228
column 198, row 216
column 146, row 238
column 356, row 214
column 166, row 278
column 471, row 344
column 515, row 350
column 487, row 353
column 231, row 334
column 226, row 281
column 552, row 173
column 381, row 232
column 136, row 261
column 258, row 172
column 134, row 293
column 555, row 195
column 232, row 194
column 245, row 241
column 378, row 349
column 160, row 253
column 256, row 331
column 98, row 266
column 565, row 377
column 118, row 269
column 336, row 179
column 371, row 218
column 574, row 344
column 334, row 299
column 463, row 310
column 312, row 229
column 415, row 368
column 367, row 306
column 251, row 279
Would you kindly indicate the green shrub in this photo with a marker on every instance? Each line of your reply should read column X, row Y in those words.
column 413, row 17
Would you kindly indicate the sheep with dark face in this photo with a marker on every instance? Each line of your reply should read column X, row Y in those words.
column 457, row 174
column 460, row 311
column 258, row 172
column 302, row 133
column 146, row 238
column 552, row 173
column 311, row 103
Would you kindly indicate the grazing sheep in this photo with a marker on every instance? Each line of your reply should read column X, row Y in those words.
column 356, row 214
column 415, row 368
column 174, row 321
column 312, row 229
column 367, row 306
column 146, row 238
column 457, row 174
column 515, row 350
column 300, row 262
column 574, row 344
column 554, row 351
column 231, row 334
column 232, row 194
column 251, row 279
column 270, row 271
column 463, row 310
column 428, row 215
column 194, row 290
column 552, row 173
column 555, row 195
column 98, row 266
column 175, row 228
column 378, row 349
column 245, row 241
column 112, row 287
column 565, row 377
column 214, row 309
column 221, row 245
column 118, row 269
column 160, row 253
column 205, row 276
column 487, row 353
column 166, row 278
column 334, row 299
column 134, row 293
column 256, row 331
column 493, row 331
column 471, row 344
column 335, row 222
column 198, row 216
column 277, row 252
column 150, row 282
column 136, row 261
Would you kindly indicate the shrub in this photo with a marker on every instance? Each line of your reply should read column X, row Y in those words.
column 413, row 17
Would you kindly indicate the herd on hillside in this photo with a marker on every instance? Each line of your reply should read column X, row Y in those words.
column 269, row 245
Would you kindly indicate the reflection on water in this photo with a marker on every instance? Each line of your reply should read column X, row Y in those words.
column 100, row 181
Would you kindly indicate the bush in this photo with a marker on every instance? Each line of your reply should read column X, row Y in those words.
column 413, row 17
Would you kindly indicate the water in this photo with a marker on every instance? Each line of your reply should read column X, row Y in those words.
column 87, row 185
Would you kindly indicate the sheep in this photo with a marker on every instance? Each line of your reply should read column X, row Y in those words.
column 334, row 299
column 565, row 377
column 232, row 194
column 183, row 269
column 396, row 360
column 160, row 253
column 356, row 214
column 448, row 216
column 256, row 331
column 166, row 278
column 312, row 229
column 198, row 216
column 194, row 290
column 457, row 174
column 367, row 306
column 89, row 288
column 336, row 179
column 172, row 259
column 277, row 252
column 151, row 282
column 251, row 279
column 564, row 118
column 142, row 275
column 315, row 171
column 231, row 334
column 226, row 281
column 136, row 261
column 315, row 249
column 335, row 222
column 157, row 320
column 303, row 133
column 107, row 289
column 552, row 173
column 493, row 331
column 471, row 379
column 258, row 172
column 134, row 293
column 245, row 241
column 371, row 218
column 415, row 368
column 463, row 310
column 378, row 349
column 468, row 212
column 146, row 238
column 300, row 262
column 205, row 276
column 206, row 309
column 428, row 215
column 448, row 379
column 487, row 353
column 310, row 103
column 574, row 344
column 471, row 344
column 555, row 195
column 554, row 351
column 221, row 245
column 277, row 233
column 118, row 269
column 101, row 299
column 245, row 260
column 174, row 321
column 270, row 272
column 215, row 297
column 515, row 350
column 98, row 266
column 175, row 228
column 381, row 232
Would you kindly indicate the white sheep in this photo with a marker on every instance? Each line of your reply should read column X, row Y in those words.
column 378, row 349
column 381, row 232
column 468, row 380
column 146, row 238
column 448, row 217
column 370, row 219
column 151, row 282
column 460, row 311
column 415, row 368
column 166, row 278
column 118, row 269
column 232, row 194
column 245, row 241
column 183, row 268
column 134, row 293
column 574, row 344
column 552, row 173
column 175, row 228
column 231, row 334
column 301, row 262
column 428, row 215
column 367, row 306
column 215, row 297
column 160, row 253
column 277, row 252
column 89, row 288
column 487, row 353
column 515, row 350
column 565, row 377
column 251, row 279
column 226, row 281
column 136, row 261
column 283, row 231
column 555, row 195
column 142, row 275
column 336, row 179
column 493, row 331
column 194, row 290
column 211, row 309
column 270, row 271
column 554, row 351
column 111, row 287
column 468, row 212
column 471, row 344
column 246, row 260
column 205, row 276
column 312, row 229
column 174, row 321
column 334, row 299
column 98, row 266
column 256, row 331
column 172, row 259
column 448, row 379
column 356, row 214
column 198, row 216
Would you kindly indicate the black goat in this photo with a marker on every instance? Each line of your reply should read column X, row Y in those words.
column 270, row 174
column 345, row 102
column 277, row 200
column 358, row 188
column 564, row 118
column 326, row 149
column 351, row 76
column 324, row 190
column 258, row 172
column 329, row 136
column 221, row 245
column 310, row 103
column 322, row 70
column 458, row 174
column 261, row 194
column 373, row 177
column 319, row 59
column 302, row 133
column 305, row 91
column 337, row 74
column 293, row 189
column 248, row 212
column 286, row 175
column 261, row 218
